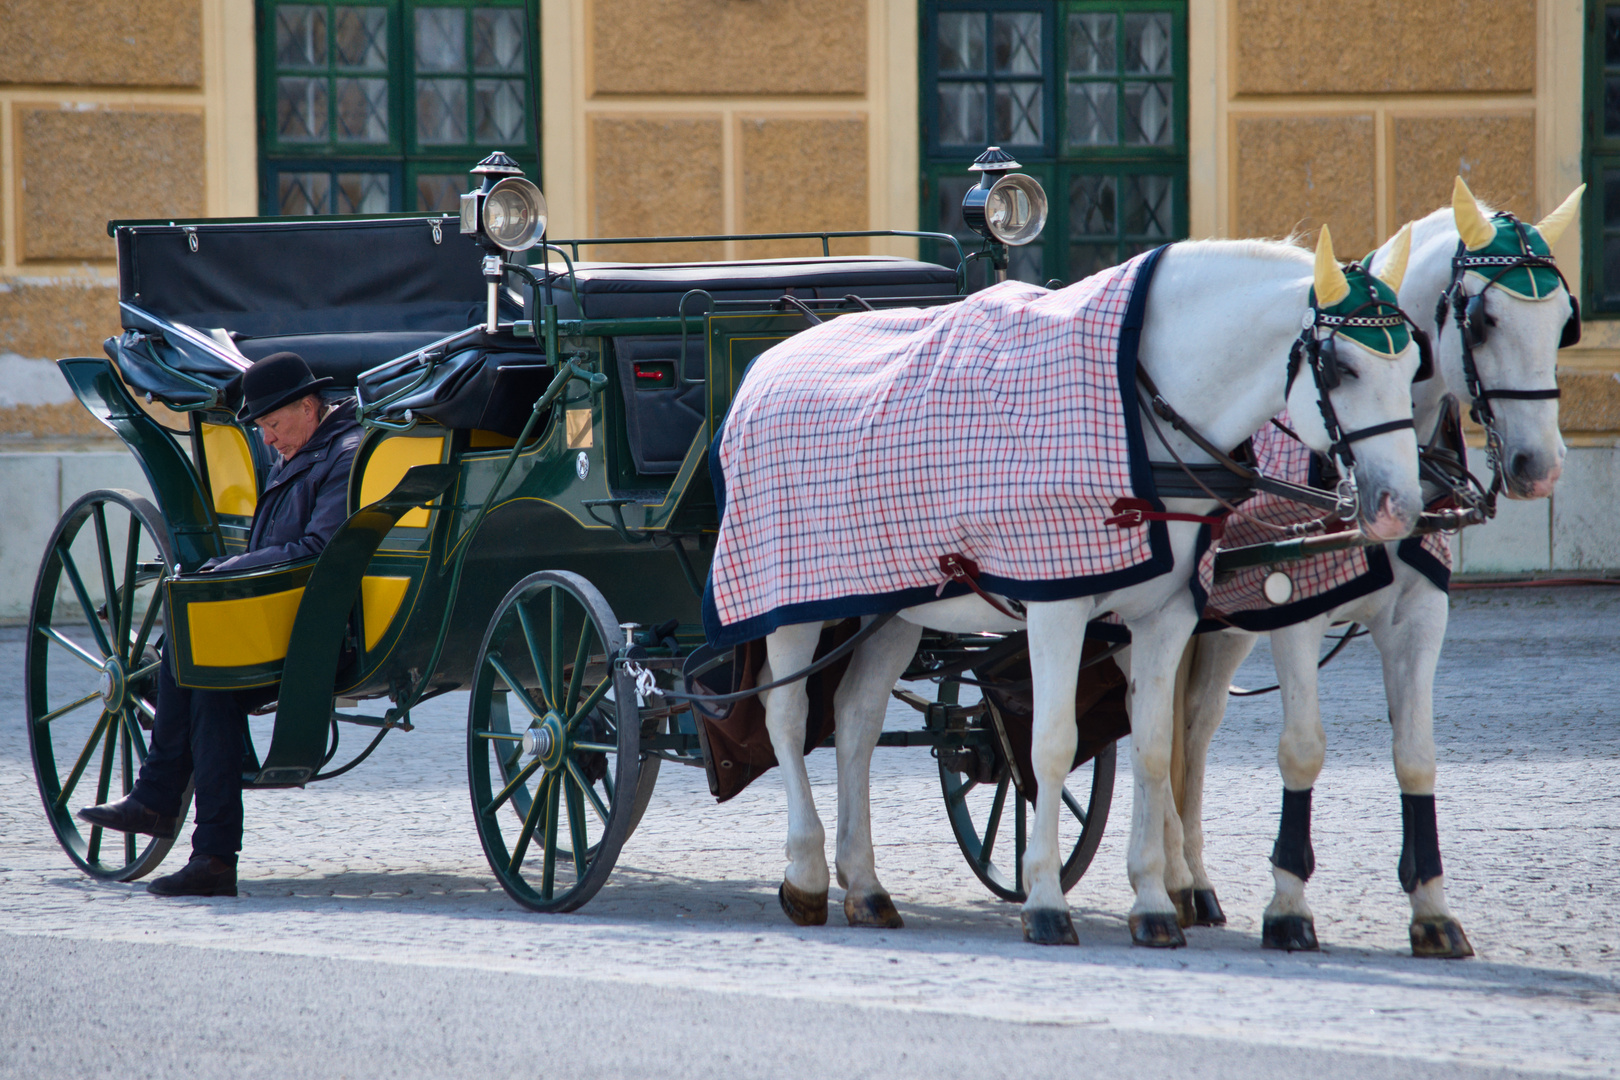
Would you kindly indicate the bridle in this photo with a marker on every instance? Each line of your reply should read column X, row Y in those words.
column 1473, row 327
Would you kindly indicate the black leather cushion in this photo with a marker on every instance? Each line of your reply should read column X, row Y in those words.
column 640, row 290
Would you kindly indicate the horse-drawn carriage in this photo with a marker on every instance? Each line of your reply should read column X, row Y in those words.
column 531, row 520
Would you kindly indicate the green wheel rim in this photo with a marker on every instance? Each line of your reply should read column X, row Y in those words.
column 553, row 743
column 991, row 819
column 90, row 672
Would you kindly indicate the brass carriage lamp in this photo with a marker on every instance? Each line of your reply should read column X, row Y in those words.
column 1007, row 208
column 507, row 213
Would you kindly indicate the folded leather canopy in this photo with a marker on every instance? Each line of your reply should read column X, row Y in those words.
column 631, row 290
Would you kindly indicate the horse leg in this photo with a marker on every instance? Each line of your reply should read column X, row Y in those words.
column 803, row 892
column 1409, row 641
column 1288, row 923
column 1215, row 662
column 860, row 704
column 1157, row 643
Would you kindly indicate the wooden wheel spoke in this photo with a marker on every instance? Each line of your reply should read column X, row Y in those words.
column 104, row 558
column 956, row 797
column 506, row 792
column 530, row 820
column 104, row 783
column 141, row 673
column 590, row 792
column 69, row 707
column 516, row 687
column 72, row 646
column 591, row 701
column 92, row 850
column 993, row 822
column 582, row 652
column 128, row 780
column 530, row 638
column 548, row 866
column 138, row 646
column 1020, row 840
column 1074, row 806
column 90, row 616
column 132, row 729
column 84, row 760
column 576, row 823
column 555, row 641
column 126, row 606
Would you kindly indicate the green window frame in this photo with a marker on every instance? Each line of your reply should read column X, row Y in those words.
column 375, row 106
column 1111, row 144
column 1600, row 209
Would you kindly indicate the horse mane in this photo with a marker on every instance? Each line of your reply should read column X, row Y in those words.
column 1289, row 249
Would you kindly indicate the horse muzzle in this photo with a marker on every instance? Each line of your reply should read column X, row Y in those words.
column 1529, row 475
column 1388, row 515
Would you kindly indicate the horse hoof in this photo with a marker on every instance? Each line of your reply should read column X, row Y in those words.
column 1157, row 930
column 1049, row 928
column 1186, row 912
column 1440, row 938
column 1291, row 933
column 1206, row 909
column 875, row 910
column 805, row 909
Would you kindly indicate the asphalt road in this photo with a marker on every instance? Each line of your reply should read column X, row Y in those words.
column 371, row 940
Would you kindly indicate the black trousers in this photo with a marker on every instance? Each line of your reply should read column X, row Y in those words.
column 199, row 735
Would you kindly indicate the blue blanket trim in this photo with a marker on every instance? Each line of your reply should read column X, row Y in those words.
column 1412, row 552
column 1159, row 562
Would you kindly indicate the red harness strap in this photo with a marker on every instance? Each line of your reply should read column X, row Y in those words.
column 958, row 567
column 1129, row 513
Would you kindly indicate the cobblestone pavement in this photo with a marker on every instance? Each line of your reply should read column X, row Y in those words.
column 384, row 865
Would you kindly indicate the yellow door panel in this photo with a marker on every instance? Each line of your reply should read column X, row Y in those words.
column 388, row 465
column 231, row 481
column 380, row 598
column 239, row 633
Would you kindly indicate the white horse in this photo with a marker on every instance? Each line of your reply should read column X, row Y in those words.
column 1514, row 354
column 1216, row 342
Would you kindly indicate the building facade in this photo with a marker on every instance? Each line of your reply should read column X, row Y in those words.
column 1146, row 120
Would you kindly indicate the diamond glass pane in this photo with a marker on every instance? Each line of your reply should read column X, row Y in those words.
column 1147, row 44
column 441, row 39
column 302, row 194
column 441, row 111
column 301, row 110
column 1093, row 114
column 1018, row 43
column 951, row 190
column 961, row 42
column 1027, row 263
column 498, row 111
column 362, row 193
column 1611, row 106
column 961, row 114
column 1093, row 202
column 300, row 36
column 362, row 110
column 1147, row 114
column 1088, row 259
column 361, row 37
column 498, row 40
column 1611, row 36
column 1148, row 206
column 440, row 194
column 1091, row 44
column 1018, row 114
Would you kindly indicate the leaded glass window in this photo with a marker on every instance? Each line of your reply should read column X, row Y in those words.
column 1601, row 206
column 384, row 105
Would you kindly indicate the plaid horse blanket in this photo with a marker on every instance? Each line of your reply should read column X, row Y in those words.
column 1000, row 428
column 1321, row 582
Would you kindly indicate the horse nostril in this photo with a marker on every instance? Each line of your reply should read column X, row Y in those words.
column 1521, row 463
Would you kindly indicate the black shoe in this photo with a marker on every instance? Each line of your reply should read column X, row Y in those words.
column 132, row 816
column 204, row 875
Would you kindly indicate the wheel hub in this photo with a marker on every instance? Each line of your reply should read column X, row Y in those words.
column 112, row 683
column 547, row 741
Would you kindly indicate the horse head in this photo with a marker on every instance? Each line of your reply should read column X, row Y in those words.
column 1511, row 311
column 1359, row 350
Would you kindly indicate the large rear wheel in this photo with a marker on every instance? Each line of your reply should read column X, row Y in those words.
column 91, row 668
column 553, row 742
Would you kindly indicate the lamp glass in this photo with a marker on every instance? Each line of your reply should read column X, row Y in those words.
column 515, row 214
column 1015, row 210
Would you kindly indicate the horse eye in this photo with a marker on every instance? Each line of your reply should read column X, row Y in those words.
column 1347, row 371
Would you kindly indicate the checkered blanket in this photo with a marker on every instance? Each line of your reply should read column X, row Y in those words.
column 1320, row 582
column 859, row 452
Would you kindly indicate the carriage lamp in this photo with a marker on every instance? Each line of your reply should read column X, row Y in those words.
column 507, row 213
column 1007, row 208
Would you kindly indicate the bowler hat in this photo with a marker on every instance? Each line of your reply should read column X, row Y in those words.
column 278, row 379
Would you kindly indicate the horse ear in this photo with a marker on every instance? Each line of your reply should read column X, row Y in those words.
column 1394, row 271
column 1331, row 284
column 1553, row 225
column 1473, row 226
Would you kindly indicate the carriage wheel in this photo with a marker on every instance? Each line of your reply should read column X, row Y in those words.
column 982, row 793
column 91, row 672
column 553, row 742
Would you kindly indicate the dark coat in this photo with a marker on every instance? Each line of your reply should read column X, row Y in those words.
column 306, row 498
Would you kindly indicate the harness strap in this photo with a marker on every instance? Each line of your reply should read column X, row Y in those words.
column 1129, row 513
column 1368, row 432
column 958, row 567
column 1524, row 395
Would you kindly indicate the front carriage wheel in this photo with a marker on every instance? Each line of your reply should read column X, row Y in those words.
column 990, row 814
column 553, row 742
column 91, row 667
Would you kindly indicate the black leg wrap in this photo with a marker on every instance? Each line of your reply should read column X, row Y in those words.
column 1292, row 851
column 1420, row 842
